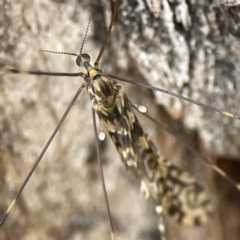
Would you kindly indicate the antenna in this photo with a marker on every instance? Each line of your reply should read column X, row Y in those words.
column 84, row 38
column 67, row 53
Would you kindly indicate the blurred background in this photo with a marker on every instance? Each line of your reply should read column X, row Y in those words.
column 186, row 47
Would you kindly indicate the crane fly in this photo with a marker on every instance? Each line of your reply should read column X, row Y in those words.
column 82, row 218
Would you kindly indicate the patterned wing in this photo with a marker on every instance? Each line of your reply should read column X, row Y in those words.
column 174, row 191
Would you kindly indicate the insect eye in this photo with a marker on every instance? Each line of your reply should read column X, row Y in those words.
column 82, row 59
column 79, row 61
column 85, row 57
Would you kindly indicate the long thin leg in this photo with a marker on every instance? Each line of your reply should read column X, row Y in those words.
column 41, row 154
column 228, row 114
column 108, row 33
column 102, row 176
